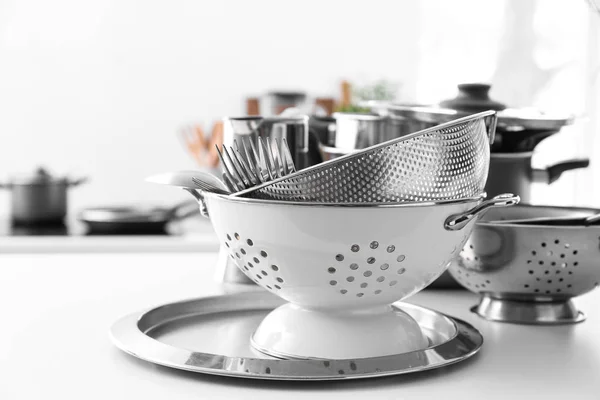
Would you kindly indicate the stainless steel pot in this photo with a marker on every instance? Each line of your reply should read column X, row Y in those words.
column 358, row 131
column 39, row 198
column 512, row 172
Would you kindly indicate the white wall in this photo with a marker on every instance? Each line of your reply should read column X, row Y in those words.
column 102, row 86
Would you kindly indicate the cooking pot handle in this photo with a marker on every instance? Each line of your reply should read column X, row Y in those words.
column 459, row 221
column 553, row 172
column 77, row 181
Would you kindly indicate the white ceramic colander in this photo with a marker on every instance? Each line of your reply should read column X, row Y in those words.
column 341, row 267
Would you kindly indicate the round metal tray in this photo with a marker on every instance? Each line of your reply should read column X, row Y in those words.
column 212, row 335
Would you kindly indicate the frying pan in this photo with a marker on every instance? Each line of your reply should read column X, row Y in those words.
column 134, row 220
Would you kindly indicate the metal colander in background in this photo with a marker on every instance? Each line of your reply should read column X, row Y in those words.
column 446, row 162
column 528, row 272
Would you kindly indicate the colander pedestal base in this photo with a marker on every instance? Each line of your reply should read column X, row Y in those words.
column 294, row 332
column 528, row 312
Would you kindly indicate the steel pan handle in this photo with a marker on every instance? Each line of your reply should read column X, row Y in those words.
column 553, row 172
column 458, row 221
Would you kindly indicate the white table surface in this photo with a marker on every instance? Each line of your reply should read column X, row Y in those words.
column 56, row 310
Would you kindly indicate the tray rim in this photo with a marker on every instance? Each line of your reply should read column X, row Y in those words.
column 127, row 336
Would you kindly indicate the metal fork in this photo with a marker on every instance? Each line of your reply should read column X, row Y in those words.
column 245, row 167
column 207, row 187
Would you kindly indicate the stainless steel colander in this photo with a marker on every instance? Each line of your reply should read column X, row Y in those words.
column 446, row 162
column 528, row 272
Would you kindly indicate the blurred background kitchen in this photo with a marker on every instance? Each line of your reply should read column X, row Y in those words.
column 103, row 89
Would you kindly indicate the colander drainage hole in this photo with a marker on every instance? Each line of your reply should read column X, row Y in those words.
column 377, row 291
column 331, row 270
column 350, row 279
column 367, row 274
column 228, row 237
column 256, row 260
column 279, row 280
column 333, row 283
column 363, row 285
column 277, row 287
column 274, row 267
column 384, row 266
column 263, row 253
column 360, row 294
column 370, row 260
column 250, row 242
column 355, row 248
column 392, row 283
column 374, row 245
column 339, row 257
column 381, row 279
column 403, row 270
column 401, row 258
column 391, row 248
column 243, row 251
column 250, row 264
column 354, row 266
column 264, row 272
column 343, row 291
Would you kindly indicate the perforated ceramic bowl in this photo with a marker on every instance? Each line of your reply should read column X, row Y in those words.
column 341, row 267
column 528, row 273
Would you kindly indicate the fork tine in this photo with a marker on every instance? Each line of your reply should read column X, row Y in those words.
column 252, row 162
column 248, row 173
column 229, row 184
column 259, row 162
column 237, row 169
column 227, row 172
column 276, row 158
column 288, row 156
column 265, row 156
column 284, row 162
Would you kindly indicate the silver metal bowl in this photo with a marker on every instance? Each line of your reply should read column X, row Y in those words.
column 528, row 273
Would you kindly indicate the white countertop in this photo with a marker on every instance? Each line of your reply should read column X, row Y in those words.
column 57, row 308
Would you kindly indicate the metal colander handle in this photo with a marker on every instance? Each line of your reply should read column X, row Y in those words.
column 458, row 221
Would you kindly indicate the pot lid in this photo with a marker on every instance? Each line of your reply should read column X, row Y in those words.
column 474, row 98
column 41, row 176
